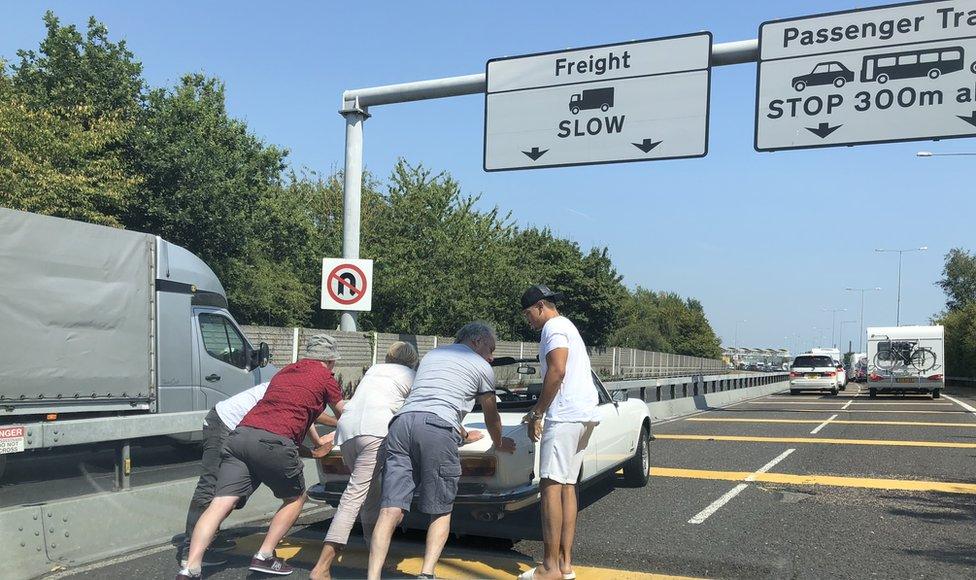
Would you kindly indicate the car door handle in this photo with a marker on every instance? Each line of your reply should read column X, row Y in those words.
column 213, row 377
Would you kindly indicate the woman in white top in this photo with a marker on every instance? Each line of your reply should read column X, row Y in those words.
column 361, row 430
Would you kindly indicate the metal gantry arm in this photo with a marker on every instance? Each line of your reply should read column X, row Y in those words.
column 355, row 109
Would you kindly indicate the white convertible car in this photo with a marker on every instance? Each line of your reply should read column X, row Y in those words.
column 496, row 485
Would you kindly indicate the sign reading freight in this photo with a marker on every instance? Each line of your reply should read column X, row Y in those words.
column 347, row 284
column 634, row 101
column 11, row 439
column 903, row 72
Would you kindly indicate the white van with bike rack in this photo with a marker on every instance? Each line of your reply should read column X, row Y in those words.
column 906, row 359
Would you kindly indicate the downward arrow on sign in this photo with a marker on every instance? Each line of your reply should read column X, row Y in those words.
column 823, row 130
column 535, row 153
column 970, row 119
column 646, row 145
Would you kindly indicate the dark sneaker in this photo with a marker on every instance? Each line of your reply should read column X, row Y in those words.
column 209, row 559
column 273, row 565
column 222, row 544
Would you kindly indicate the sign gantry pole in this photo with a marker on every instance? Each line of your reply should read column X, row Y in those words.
column 352, row 190
column 354, row 110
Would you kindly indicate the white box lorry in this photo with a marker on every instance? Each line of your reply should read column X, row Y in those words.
column 101, row 323
column 906, row 359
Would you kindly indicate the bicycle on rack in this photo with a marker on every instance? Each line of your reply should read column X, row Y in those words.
column 905, row 355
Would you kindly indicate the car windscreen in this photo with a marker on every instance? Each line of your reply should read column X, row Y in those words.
column 813, row 361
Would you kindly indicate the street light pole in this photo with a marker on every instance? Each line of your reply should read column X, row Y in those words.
column 900, row 253
column 833, row 322
column 860, row 340
column 841, row 337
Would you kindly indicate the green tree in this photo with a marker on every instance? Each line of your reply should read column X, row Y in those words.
column 666, row 322
column 63, row 162
column 959, row 278
column 72, row 70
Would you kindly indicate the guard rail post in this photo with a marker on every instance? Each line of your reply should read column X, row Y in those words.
column 123, row 466
column 657, row 392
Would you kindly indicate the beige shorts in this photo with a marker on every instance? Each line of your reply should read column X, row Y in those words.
column 561, row 450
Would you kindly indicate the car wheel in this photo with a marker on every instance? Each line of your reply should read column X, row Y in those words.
column 839, row 82
column 574, row 110
column 637, row 469
column 799, row 86
column 873, row 393
column 605, row 107
column 936, row 393
column 833, row 392
column 882, row 79
column 934, row 73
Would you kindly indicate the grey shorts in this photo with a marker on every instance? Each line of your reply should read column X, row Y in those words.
column 421, row 458
column 254, row 456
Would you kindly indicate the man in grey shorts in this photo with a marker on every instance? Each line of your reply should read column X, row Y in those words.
column 421, row 448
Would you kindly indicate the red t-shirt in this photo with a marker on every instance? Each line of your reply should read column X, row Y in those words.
column 296, row 396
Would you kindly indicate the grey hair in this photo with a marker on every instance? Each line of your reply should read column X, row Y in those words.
column 402, row 353
column 473, row 331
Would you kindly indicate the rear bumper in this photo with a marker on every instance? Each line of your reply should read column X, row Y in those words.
column 813, row 384
column 923, row 386
column 485, row 505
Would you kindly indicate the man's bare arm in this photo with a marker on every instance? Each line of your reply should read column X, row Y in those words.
column 494, row 423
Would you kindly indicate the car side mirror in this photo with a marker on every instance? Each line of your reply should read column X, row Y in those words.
column 620, row 396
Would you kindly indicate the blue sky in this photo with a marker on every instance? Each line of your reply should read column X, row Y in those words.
column 769, row 238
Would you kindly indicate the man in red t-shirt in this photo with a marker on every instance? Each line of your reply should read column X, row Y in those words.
column 265, row 449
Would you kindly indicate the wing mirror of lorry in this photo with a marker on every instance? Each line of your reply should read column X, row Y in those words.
column 264, row 354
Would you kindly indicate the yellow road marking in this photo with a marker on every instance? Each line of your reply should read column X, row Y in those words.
column 842, row 401
column 883, row 442
column 834, row 422
column 407, row 558
column 847, row 410
column 828, row 480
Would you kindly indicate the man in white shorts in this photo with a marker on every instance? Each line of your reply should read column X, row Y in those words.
column 569, row 403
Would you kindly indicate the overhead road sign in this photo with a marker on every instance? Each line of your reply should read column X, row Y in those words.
column 347, row 284
column 633, row 101
column 902, row 72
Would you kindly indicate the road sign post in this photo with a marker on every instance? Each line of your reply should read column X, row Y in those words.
column 347, row 284
column 634, row 101
column 903, row 72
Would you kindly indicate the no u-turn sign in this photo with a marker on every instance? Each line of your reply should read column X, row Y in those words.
column 347, row 284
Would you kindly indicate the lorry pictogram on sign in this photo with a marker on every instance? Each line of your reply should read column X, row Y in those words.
column 903, row 72
column 634, row 101
column 346, row 284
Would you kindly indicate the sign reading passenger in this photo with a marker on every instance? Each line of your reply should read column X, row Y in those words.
column 569, row 403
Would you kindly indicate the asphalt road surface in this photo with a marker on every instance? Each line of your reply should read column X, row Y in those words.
column 806, row 486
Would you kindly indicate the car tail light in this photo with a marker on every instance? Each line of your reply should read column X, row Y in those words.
column 935, row 377
column 875, row 378
column 479, row 466
column 829, row 374
column 333, row 465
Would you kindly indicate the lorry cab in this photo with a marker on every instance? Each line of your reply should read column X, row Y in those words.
column 204, row 357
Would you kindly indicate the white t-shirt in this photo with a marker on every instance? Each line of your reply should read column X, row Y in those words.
column 379, row 395
column 232, row 410
column 577, row 399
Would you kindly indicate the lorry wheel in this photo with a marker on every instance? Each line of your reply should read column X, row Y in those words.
column 637, row 469
column 873, row 393
column 936, row 393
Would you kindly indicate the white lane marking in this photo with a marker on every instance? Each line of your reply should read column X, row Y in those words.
column 104, row 563
column 844, row 408
column 961, row 404
column 717, row 504
column 822, row 425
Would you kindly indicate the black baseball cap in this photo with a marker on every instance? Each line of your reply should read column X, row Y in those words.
column 540, row 292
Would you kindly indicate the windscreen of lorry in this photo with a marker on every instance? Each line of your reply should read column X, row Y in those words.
column 813, row 361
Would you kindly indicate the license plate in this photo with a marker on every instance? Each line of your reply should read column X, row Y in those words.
column 906, row 380
column 813, row 376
